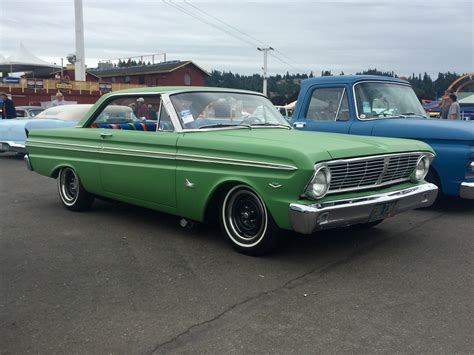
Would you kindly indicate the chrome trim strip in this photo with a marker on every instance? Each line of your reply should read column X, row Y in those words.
column 373, row 157
column 371, row 81
column 160, row 155
column 340, row 103
column 216, row 160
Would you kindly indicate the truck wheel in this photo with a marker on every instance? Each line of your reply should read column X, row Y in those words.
column 71, row 192
column 247, row 223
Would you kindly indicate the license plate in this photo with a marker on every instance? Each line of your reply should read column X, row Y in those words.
column 382, row 211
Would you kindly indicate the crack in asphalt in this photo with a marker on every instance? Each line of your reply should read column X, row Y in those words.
column 293, row 283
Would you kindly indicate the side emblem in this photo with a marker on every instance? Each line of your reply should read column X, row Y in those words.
column 275, row 185
column 189, row 184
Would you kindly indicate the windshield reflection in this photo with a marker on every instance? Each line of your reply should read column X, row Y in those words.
column 387, row 100
column 199, row 110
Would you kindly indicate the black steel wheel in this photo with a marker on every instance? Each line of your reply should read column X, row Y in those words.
column 247, row 223
column 71, row 192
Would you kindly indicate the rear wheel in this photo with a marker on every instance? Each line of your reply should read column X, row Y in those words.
column 247, row 223
column 71, row 192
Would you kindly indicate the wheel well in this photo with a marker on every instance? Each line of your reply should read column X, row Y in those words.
column 433, row 177
column 213, row 205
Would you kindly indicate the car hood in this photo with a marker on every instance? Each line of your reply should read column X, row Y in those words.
column 425, row 129
column 315, row 146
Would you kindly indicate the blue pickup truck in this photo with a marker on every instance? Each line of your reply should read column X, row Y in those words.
column 388, row 107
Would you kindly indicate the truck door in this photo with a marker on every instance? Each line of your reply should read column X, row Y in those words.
column 327, row 109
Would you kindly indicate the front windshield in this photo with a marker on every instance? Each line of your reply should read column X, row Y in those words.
column 381, row 100
column 221, row 109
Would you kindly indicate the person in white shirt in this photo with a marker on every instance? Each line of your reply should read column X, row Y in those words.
column 454, row 112
column 59, row 100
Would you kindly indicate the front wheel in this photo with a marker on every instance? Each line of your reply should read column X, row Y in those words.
column 247, row 223
column 71, row 192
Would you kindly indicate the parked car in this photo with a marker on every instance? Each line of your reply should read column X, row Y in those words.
column 28, row 111
column 388, row 107
column 13, row 132
column 209, row 155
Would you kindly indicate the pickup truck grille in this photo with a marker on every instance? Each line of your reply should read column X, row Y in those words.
column 374, row 171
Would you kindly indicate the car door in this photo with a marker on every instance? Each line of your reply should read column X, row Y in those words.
column 138, row 154
column 327, row 110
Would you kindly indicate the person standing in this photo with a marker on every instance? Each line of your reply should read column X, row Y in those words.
column 454, row 112
column 8, row 107
column 59, row 99
column 444, row 105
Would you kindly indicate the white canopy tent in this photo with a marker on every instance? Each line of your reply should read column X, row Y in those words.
column 467, row 100
column 23, row 60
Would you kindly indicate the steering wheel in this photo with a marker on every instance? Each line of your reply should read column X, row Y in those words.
column 251, row 120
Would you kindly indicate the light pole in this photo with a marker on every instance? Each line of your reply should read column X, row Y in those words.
column 80, row 68
column 265, row 52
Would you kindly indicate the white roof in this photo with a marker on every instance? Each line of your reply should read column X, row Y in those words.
column 66, row 112
column 467, row 100
column 24, row 58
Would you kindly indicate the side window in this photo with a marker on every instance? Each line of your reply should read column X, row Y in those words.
column 324, row 104
column 137, row 113
column 165, row 123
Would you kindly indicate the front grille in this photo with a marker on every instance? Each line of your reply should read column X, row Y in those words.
column 374, row 171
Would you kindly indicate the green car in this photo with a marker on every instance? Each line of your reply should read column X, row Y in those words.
column 204, row 153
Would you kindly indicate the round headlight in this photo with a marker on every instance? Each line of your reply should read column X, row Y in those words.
column 421, row 169
column 319, row 185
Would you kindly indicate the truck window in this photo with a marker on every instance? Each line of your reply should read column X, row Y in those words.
column 328, row 104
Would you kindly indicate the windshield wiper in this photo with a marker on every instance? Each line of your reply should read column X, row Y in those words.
column 267, row 124
column 220, row 125
column 413, row 114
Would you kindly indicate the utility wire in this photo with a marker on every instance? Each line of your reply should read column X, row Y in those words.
column 199, row 18
column 276, row 56
column 240, row 35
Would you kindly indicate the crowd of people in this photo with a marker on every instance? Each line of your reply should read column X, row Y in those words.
column 143, row 110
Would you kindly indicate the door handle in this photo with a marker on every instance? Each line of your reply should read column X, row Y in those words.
column 105, row 135
column 299, row 124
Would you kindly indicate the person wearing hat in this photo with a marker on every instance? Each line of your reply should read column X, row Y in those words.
column 8, row 107
column 59, row 99
column 142, row 110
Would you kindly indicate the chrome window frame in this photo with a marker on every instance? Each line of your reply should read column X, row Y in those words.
column 164, row 100
column 338, row 107
column 250, row 93
column 372, row 81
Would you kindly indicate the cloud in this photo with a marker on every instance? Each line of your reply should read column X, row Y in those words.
column 403, row 36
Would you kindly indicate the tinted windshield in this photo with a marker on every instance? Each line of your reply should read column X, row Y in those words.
column 219, row 109
column 379, row 100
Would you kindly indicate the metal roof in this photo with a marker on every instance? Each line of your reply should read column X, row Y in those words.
column 348, row 79
column 164, row 67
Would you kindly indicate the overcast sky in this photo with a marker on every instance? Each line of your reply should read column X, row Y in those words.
column 404, row 36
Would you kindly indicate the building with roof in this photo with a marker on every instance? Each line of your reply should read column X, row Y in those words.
column 171, row 73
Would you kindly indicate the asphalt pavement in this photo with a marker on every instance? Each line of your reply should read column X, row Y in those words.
column 125, row 280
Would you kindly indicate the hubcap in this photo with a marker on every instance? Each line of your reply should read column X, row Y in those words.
column 69, row 184
column 246, row 217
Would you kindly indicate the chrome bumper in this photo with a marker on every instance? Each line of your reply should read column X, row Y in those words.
column 466, row 190
column 26, row 159
column 307, row 219
column 10, row 146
